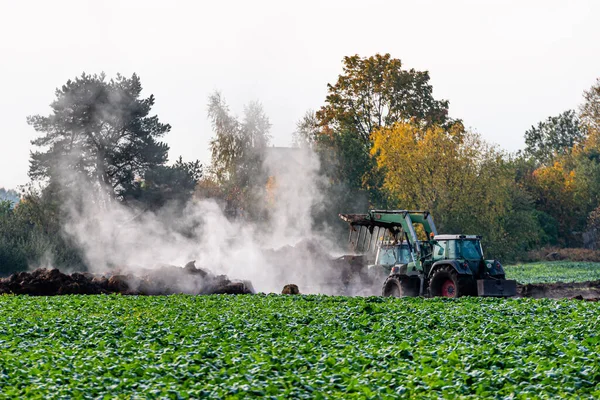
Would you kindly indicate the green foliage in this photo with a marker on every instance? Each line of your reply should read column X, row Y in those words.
column 163, row 184
column 238, row 150
column 555, row 136
column 24, row 244
column 372, row 92
column 307, row 131
column 9, row 195
column 468, row 185
column 587, row 180
column 297, row 347
column 556, row 271
column 30, row 234
column 375, row 91
column 100, row 131
column 99, row 143
column 562, row 176
column 560, row 170
column 590, row 109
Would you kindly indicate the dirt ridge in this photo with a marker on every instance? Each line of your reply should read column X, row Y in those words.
column 589, row 290
column 161, row 281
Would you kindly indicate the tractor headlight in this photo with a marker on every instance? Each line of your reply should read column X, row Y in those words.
column 489, row 265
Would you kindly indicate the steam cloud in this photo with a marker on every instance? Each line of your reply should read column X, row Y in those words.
column 113, row 236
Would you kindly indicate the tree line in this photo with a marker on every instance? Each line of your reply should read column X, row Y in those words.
column 386, row 142
column 383, row 139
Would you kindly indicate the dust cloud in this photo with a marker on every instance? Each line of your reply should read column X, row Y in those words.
column 280, row 250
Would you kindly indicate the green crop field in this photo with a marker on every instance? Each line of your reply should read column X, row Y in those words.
column 556, row 271
column 297, row 347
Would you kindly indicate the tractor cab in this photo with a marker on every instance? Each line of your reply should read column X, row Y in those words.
column 388, row 255
column 466, row 249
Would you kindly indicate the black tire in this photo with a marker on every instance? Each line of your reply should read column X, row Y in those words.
column 400, row 286
column 445, row 282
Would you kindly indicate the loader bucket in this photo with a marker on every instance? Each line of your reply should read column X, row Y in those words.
column 496, row 287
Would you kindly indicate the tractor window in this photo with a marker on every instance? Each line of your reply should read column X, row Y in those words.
column 452, row 253
column 403, row 255
column 470, row 249
column 438, row 249
column 387, row 255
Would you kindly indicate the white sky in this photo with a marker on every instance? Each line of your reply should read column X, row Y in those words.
column 504, row 65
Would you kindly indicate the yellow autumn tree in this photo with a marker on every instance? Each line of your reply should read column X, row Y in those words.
column 453, row 173
column 556, row 188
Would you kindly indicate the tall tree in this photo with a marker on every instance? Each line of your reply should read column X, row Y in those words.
column 307, row 131
column 375, row 91
column 590, row 109
column 9, row 195
column 555, row 192
column 100, row 130
column 238, row 149
column 371, row 92
column 163, row 184
column 554, row 136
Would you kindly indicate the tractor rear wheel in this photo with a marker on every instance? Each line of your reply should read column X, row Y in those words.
column 445, row 282
column 400, row 286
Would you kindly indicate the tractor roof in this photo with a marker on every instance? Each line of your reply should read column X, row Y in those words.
column 456, row 237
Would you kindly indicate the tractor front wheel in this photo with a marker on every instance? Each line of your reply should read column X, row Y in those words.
column 446, row 283
column 400, row 286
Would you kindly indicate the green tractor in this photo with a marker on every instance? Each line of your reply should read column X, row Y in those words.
column 435, row 265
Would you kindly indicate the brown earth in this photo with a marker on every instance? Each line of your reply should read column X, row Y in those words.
column 560, row 290
column 191, row 280
column 161, row 281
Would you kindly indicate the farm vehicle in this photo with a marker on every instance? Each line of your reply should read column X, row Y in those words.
column 412, row 259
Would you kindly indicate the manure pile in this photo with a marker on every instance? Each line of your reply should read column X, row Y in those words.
column 161, row 281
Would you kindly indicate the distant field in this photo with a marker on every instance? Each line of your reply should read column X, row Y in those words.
column 269, row 346
column 555, row 271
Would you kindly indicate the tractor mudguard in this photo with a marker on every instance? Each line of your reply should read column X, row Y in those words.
column 458, row 267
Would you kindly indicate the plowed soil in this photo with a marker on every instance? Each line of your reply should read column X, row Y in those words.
column 161, row 281
column 559, row 290
column 192, row 280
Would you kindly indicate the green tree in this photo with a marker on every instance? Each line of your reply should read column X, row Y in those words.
column 29, row 235
column 587, row 155
column 371, row 92
column 9, row 195
column 554, row 136
column 592, row 235
column 102, row 131
column 163, row 184
column 307, row 131
column 238, row 149
column 375, row 91
column 590, row 109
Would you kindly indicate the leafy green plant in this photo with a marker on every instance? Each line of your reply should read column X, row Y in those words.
column 559, row 271
column 297, row 347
